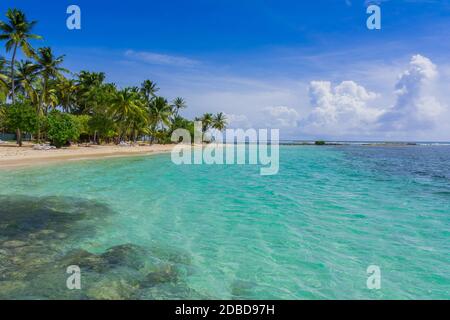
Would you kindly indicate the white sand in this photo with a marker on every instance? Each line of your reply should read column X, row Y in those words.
column 13, row 156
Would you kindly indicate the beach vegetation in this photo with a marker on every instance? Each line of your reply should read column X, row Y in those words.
column 62, row 128
column 21, row 118
column 81, row 106
column 17, row 32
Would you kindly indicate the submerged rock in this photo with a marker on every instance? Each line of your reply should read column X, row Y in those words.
column 39, row 217
column 13, row 244
column 241, row 289
column 108, row 289
column 167, row 273
column 10, row 288
column 34, row 235
column 126, row 255
column 84, row 259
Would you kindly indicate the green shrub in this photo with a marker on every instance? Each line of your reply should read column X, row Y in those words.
column 102, row 126
column 20, row 117
column 3, row 119
column 319, row 143
column 62, row 128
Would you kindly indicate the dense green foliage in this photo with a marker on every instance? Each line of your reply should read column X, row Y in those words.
column 62, row 128
column 76, row 107
column 20, row 117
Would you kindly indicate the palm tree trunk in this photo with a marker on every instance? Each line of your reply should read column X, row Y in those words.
column 38, row 126
column 41, row 100
column 13, row 83
column 19, row 137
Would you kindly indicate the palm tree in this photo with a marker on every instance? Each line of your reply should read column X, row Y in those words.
column 66, row 93
column 178, row 104
column 17, row 33
column 128, row 111
column 26, row 76
column 219, row 121
column 160, row 113
column 90, row 91
column 207, row 120
column 4, row 80
column 100, row 110
column 149, row 89
column 49, row 68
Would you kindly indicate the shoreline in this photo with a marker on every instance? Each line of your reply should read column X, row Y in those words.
column 12, row 156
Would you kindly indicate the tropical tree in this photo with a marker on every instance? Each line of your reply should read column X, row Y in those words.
column 160, row 113
column 66, row 92
column 49, row 68
column 206, row 120
column 98, row 105
column 62, row 128
column 219, row 121
column 178, row 104
column 3, row 117
column 26, row 77
column 17, row 33
column 90, row 92
column 21, row 117
column 179, row 122
column 4, row 88
column 128, row 111
column 149, row 89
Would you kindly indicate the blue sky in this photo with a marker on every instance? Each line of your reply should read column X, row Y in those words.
column 271, row 63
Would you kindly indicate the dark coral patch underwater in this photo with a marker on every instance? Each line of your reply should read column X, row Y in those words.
column 35, row 234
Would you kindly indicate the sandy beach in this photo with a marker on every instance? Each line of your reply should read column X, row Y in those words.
column 12, row 156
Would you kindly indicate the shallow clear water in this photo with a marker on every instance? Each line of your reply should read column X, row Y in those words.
column 226, row 232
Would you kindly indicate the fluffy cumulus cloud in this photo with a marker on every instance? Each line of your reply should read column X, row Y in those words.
column 238, row 121
column 280, row 117
column 343, row 109
column 350, row 110
column 416, row 107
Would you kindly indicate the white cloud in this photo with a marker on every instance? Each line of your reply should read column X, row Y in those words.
column 340, row 110
column 409, row 103
column 280, row 117
column 161, row 59
column 350, row 110
column 416, row 107
column 238, row 121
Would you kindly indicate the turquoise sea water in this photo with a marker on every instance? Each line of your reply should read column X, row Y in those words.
column 226, row 232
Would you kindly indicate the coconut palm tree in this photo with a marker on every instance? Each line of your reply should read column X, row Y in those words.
column 128, row 111
column 90, row 91
column 49, row 69
column 160, row 112
column 206, row 120
column 178, row 104
column 4, row 80
column 17, row 33
column 26, row 77
column 219, row 121
column 149, row 89
column 66, row 90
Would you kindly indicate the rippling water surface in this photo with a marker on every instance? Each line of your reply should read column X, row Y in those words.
column 144, row 228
